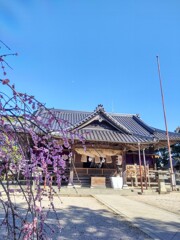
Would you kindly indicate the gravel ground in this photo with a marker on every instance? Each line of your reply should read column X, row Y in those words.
column 86, row 218
column 169, row 202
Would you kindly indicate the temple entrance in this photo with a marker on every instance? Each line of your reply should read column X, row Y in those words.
column 95, row 163
column 91, row 163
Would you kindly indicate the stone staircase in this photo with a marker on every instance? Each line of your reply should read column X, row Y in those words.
column 85, row 180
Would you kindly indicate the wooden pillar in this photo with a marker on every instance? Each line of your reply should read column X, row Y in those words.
column 136, row 175
column 154, row 161
column 71, row 173
column 124, row 168
column 145, row 168
column 140, row 169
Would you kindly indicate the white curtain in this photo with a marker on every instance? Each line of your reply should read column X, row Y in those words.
column 97, row 153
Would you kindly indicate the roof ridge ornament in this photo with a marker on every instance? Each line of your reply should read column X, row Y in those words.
column 99, row 108
column 177, row 129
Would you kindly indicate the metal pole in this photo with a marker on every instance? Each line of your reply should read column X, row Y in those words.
column 167, row 134
column 140, row 167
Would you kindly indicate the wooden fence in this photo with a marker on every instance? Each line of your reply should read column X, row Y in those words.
column 149, row 176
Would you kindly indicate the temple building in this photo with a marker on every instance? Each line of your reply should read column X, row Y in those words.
column 113, row 144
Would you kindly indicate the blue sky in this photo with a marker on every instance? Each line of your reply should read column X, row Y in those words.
column 78, row 54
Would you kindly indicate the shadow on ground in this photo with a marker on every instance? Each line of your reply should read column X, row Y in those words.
column 84, row 223
column 165, row 230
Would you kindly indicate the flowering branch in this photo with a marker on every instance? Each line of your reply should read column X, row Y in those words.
column 30, row 157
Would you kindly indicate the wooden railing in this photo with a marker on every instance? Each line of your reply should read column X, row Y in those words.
column 95, row 171
column 149, row 176
column 177, row 176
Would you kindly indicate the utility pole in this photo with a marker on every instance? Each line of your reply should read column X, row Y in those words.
column 173, row 184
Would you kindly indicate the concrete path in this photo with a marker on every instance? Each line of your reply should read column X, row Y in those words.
column 157, row 223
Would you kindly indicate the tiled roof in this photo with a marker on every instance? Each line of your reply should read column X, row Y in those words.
column 128, row 128
column 160, row 134
column 113, row 136
column 100, row 111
